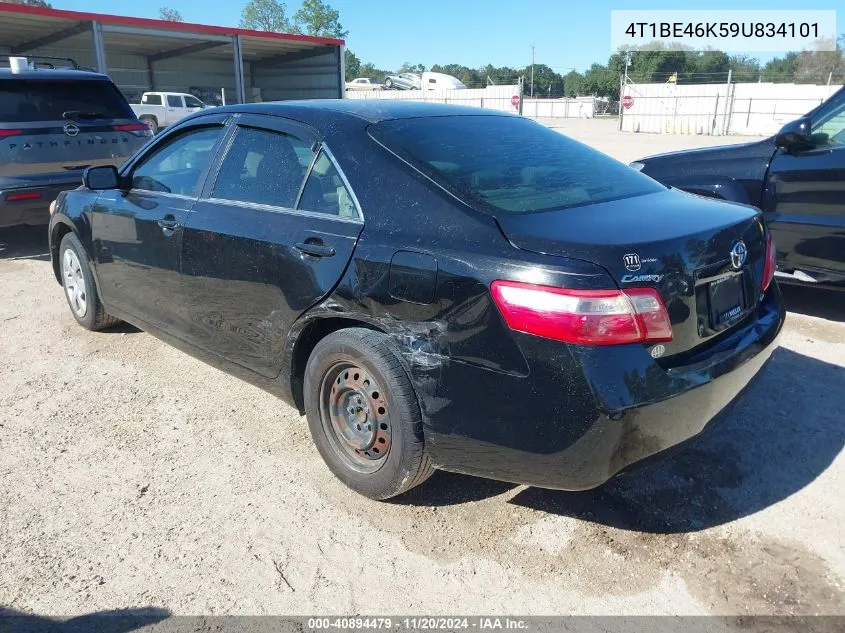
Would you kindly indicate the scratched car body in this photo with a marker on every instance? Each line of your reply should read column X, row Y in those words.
column 433, row 286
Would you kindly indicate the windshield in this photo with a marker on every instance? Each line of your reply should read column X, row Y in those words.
column 510, row 164
column 24, row 100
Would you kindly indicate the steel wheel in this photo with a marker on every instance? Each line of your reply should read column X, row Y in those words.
column 74, row 283
column 355, row 416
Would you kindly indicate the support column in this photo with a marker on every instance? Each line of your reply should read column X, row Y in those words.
column 99, row 48
column 151, row 79
column 240, row 91
column 341, row 50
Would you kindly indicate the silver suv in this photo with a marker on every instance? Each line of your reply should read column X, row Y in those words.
column 55, row 122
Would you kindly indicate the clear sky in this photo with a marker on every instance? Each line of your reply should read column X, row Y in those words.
column 566, row 33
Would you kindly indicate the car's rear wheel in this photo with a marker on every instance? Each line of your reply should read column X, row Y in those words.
column 363, row 414
column 388, row 83
column 151, row 123
column 80, row 290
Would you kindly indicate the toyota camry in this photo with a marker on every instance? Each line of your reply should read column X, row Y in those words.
column 431, row 286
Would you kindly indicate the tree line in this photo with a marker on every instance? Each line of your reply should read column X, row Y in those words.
column 654, row 66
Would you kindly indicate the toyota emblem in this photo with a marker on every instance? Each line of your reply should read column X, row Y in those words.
column 738, row 254
column 71, row 129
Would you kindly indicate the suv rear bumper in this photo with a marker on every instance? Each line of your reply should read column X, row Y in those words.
column 29, row 209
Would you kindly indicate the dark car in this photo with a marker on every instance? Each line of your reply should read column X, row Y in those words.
column 796, row 177
column 53, row 124
column 434, row 286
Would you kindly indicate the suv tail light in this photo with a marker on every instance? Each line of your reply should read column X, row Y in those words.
column 131, row 127
column 26, row 195
column 5, row 133
column 584, row 317
column 771, row 264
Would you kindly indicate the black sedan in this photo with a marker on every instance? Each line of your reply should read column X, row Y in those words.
column 433, row 286
column 795, row 177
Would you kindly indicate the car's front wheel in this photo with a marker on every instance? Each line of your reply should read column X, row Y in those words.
column 363, row 414
column 80, row 290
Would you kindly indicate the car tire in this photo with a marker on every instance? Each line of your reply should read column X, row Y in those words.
column 80, row 289
column 388, row 83
column 354, row 378
column 150, row 122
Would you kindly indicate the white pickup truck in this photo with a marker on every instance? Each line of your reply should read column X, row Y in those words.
column 160, row 109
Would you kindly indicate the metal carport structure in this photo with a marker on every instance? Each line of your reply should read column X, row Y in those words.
column 142, row 54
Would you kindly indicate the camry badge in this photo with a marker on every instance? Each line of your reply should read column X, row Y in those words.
column 71, row 129
column 632, row 261
column 738, row 254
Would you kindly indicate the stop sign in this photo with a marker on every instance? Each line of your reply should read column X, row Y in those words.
column 627, row 101
column 515, row 101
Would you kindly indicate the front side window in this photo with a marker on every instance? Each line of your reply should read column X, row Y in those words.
column 177, row 166
column 505, row 164
column 325, row 191
column 174, row 101
column 829, row 123
column 263, row 167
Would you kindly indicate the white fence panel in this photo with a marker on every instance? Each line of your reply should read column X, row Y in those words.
column 493, row 98
column 764, row 108
column 578, row 108
column 716, row 109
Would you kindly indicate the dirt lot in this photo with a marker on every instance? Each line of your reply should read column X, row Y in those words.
column 132, row 475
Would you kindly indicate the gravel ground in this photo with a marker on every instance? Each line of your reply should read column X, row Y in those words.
column 132, row 475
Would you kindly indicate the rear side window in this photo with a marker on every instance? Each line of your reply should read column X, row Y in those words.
column 509, row 164
column 263, row 167
column 151, row 100
column 174, row 101
column 325, row 191
column 24, row 100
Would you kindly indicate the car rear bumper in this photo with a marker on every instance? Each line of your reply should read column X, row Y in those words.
column 20, row 206
column 584, row 415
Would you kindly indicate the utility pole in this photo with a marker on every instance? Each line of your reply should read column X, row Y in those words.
column 627, row 63
column 532, row 70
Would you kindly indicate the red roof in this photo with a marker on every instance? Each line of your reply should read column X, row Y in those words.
column 123, row 20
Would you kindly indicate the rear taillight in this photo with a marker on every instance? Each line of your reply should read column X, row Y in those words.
column 771, row 264
column 131, row 127
column 5, row 133
column 585, row 317
column 27, row 195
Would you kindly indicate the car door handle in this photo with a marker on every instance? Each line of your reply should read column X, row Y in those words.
column 314, row 249
column 169, row 223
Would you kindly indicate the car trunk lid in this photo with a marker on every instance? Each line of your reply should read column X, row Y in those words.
column 687, row 247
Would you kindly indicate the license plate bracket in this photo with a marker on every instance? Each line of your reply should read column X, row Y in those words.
column 727, row 300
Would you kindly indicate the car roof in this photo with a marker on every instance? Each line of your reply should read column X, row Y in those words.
column 53, row 73
column 314, row 111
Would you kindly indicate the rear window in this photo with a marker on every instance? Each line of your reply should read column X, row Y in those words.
column 509, row 164
column 24, row 100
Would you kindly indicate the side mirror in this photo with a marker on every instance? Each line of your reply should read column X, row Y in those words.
column 795, row 135
column 99, row 178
